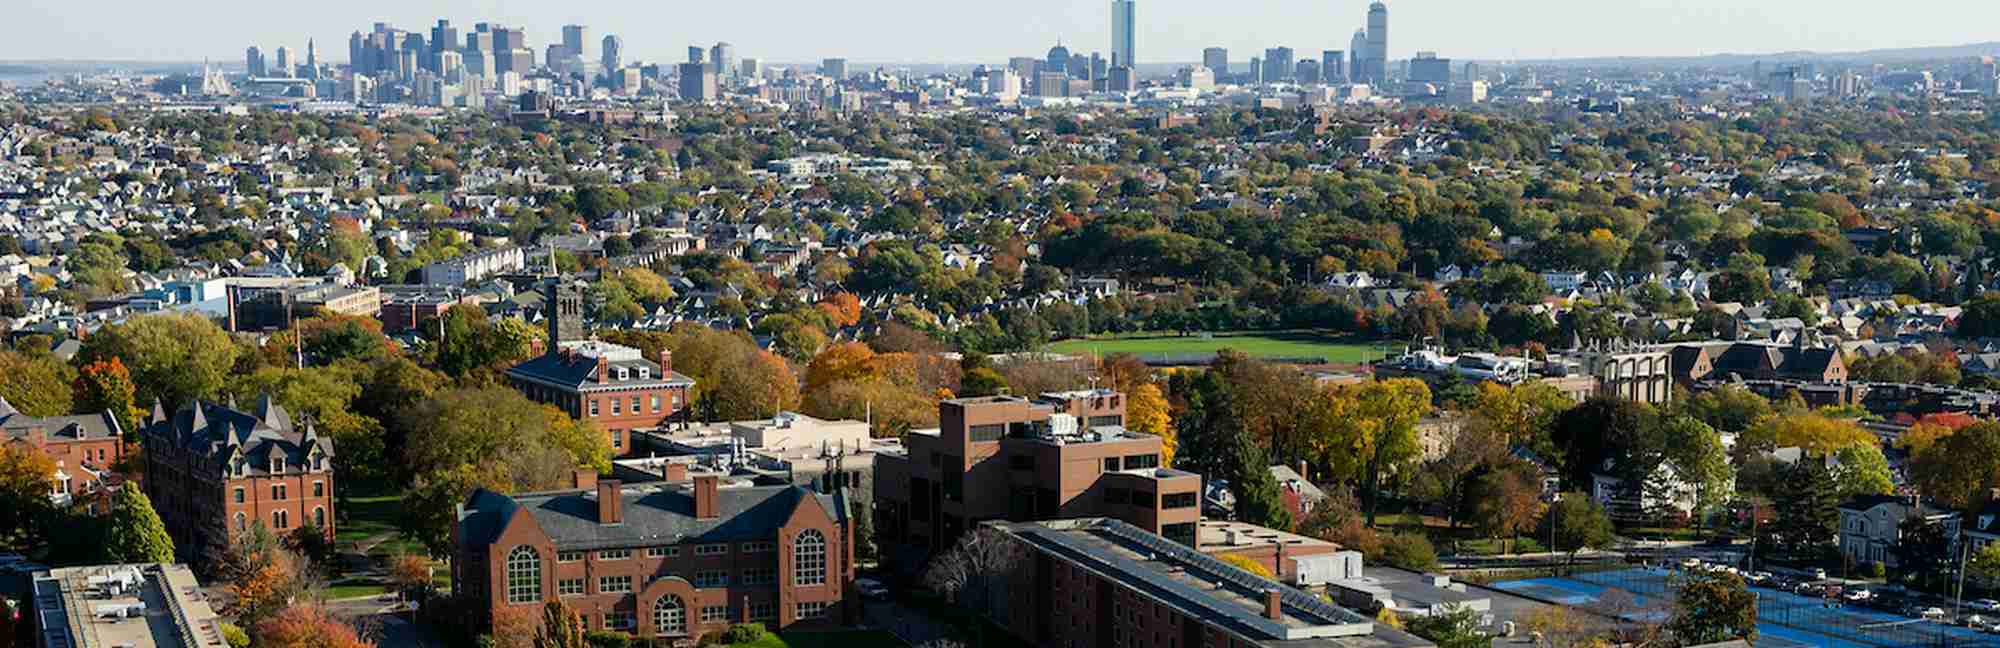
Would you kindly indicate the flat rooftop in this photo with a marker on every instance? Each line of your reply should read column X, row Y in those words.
column 1201, row 587
column 1222, row 535
column 140, row 606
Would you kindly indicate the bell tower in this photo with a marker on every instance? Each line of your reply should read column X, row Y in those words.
column 565, row 311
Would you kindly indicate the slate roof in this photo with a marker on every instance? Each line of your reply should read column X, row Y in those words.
column 58, row 428
column 652, row 515
column 217, row 431
column 579, row 371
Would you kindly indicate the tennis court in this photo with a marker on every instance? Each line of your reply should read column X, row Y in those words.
column 1784, row 619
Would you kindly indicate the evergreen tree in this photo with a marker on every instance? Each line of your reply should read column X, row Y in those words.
column 134, row 533
column 1258, row 500
column 1807, row 501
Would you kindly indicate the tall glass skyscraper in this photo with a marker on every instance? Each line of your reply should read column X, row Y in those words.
column 1122, row 43
column 1377, row 71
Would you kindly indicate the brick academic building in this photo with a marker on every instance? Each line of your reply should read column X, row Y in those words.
column 213, row 470
column 592, row 380
column 673, row 561
column 1062, row 455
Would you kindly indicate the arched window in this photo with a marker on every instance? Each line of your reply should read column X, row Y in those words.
column 280, row 521
column 319, row 517
column 809, row 558
column 670, row 616
column 524, row 575
column 242, row 522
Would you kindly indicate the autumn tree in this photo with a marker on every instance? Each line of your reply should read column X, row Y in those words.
column 134, row 532
column 490, row 438
column 1862, row 470
column 1813, row 432
column 561, row 627
column 1146, row 412
column 173, row 358
column 409, row 572
column 37, row 384
column 261, row 576
column 307, row 625
column 27, row 476
column 1373, row 434
column 106, row 386
column 1711, row 608
column 1959, row 470
column 1505, row 498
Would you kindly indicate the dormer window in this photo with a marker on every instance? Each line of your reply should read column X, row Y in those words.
column 621, row 373
column 277, row 464
column 645, row 373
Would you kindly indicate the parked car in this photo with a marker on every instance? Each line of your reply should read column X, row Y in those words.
column 871, row 588
column 1858, row 595
column 1932, row 614
column 1984, row 605
column 1819, row 574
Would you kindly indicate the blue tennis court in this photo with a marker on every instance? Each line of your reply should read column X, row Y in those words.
column 1784, row 619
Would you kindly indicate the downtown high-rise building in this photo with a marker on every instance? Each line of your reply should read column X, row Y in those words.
column 444, row 37
column 282, row 63
column 1376, row 63
column 612, row 52
column 576, row 41
column 834, row 68
column 722, row 60
column 1332, row 66
column 1278, row 64
column 1216, row 59
column 253, row 62
column 1123, row 43
column 1357, row 54
column 697, row 83
column 1428, row 68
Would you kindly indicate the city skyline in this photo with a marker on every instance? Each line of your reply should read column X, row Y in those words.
column 1172, row 31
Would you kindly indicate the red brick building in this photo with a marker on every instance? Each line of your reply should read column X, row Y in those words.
column 213, row 470
column 614, row 385
column 84, row 447
column 1063, row 455
column 662, row 560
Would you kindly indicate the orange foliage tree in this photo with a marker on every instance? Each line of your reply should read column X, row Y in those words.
column 307, row 626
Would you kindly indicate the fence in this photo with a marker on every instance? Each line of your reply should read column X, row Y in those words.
column 1792, row 618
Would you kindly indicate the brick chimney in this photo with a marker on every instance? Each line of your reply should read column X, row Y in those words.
column 675, row 472
column 603, row 369
column 666, row 362
column 704, row 497
column 583, row 480
column 1274, row 608
column 1302, row 471
column 610, row 506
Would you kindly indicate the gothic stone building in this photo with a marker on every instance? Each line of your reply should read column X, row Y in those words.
column 668, row 561
column 213, row 470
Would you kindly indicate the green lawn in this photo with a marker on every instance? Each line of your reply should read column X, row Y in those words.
column 1276, row 344
column 368, row 517
column 354, row 589
column 828, row 639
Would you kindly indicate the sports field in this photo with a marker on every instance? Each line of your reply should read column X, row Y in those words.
column 1283, row 344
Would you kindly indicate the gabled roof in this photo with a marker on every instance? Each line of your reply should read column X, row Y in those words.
column 652, row 515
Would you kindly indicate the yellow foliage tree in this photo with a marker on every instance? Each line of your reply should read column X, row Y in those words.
column 1816, row 433
column 1244, row 563
column 1146, row 413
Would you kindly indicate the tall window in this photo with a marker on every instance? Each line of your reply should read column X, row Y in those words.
column 281, row 520
column 242, row 523
column 670, row 615
column 809, row 558
column 319, row 517
column 524, row 575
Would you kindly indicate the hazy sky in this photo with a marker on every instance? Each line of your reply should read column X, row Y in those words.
column 974, row 31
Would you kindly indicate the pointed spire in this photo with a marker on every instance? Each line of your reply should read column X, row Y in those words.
column 7, row 409
column 200, row 420
column 159, row 412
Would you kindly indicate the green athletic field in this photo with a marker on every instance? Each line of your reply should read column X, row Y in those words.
column 1300, row 344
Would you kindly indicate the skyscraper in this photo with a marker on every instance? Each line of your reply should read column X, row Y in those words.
column 614, row 53
column 253, row 62
column 283, row 63
column 312, row 59
column 1332, row 66
column 1378, row 43
column 1428, row 68
column 1122, row 27
column 1058, row 60
column 1357, row 54
column 722, row 59
column 1278, row 65
column 836, row 68
column 576, row 39
column 444, row 36
column 1216, row 59
column 698, row 83
column 697, row 54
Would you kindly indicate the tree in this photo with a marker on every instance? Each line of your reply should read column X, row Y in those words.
column 1815, row 433
column 36, row 385
column 261, row 577
column 1729, row 408
column 1601, row 431
column 1454, row 626
column 409, row 572
column 1806, row 504
column 1246, row 563
column 1713, row 607
column 982, row 381
column 106, row 386
column 1985, row 563
column 974, row 572
column 307, row 625
column 135, row 534
column 1504, row 499
column 1578, row 522
column 1374, row 433
column 1520, row 411
column 173, row 358
column 1258, row 498
column 27, row 476
column 1862, row 470
column 1146, row 413
column 561, row 627
column 1694, row 454
column 1562, row 626
column 491, row 438
column 1960, row 469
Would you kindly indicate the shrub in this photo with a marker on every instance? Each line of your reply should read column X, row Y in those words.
column 743, row 633
column 607, row 639
column 1409, row 551
column 1244, row 563
column 1876, row 569
column 234, row 635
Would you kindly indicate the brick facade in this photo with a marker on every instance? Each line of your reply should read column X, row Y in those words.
column 212, row 471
